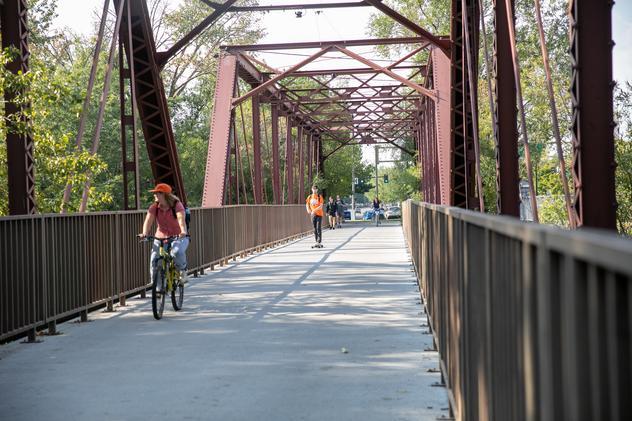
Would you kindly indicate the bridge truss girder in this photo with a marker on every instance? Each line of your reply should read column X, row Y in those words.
column 592, row 128
column 324, row 112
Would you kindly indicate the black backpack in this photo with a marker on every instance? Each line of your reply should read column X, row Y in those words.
column 187, row 216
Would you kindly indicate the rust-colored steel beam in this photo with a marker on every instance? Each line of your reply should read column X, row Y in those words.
column 218, row 145
column 508, row 194
column 348, row 89
column 20, row 159
column 324, row 44
column 152, row 101
column 440, row 136
column 250, row 74
column 130, row 164
column 310, row 147
column 273, row 80
column 443, row 44
column 348, row 71
column 343, row 100
column 283, row 7
column 301, row 163
column 289, row 160
column 164, row 56
column 592, row 123
column 463, row 191
column 389, row 72
column 256, row 150
column 276, row 167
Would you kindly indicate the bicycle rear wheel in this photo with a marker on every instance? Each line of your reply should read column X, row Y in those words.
column 158, row 292
column 177, row 295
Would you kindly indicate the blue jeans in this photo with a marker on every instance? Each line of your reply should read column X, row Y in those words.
column 178, row 251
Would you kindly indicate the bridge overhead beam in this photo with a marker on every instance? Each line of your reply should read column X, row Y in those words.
column 283, row 7
column 324, row 44
column 592, row 114
column 20, row 159
column 344, row 72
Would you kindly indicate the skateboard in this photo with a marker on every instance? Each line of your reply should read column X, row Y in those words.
column 318, row 246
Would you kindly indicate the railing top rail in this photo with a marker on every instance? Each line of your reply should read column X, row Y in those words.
column 589, row 244
column 127, row 212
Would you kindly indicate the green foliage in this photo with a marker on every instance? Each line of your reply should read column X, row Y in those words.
column 623, row 157
column 55, row 87
column 340, row 167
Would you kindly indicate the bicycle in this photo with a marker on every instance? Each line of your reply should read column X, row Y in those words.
column 166, row 278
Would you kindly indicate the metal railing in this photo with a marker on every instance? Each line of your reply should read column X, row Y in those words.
column 58, row 266
column 531, row 322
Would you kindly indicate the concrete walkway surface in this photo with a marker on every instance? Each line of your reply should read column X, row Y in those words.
column 292, row 333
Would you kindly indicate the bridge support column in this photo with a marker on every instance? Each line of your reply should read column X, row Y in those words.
column 152, row 99
column 218, row 145
column 20, row 161
column 301, row 163
column 256, row 149
column 507, row 178
column 289, row 161
column 592, row 123
column 276, row 168
column 443, row 119
column 310, row 160
column 463, row 182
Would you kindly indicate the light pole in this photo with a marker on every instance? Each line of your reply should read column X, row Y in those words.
column 353, row 184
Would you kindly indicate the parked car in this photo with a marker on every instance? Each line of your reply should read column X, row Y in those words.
column 393, row 212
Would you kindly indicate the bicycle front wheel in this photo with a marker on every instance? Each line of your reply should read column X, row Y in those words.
column 158, row 293
column 177, row 295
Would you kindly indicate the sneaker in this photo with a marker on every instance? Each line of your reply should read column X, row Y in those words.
column 184, row 278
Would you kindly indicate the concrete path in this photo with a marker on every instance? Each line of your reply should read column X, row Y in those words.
column 293, row 333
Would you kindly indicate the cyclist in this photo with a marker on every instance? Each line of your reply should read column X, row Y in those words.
column 376, row 210
column 314, row 207
column 168, row 213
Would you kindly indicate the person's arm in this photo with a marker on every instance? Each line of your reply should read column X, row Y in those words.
column 182, row 222
column 149, row 221
column 319, row 206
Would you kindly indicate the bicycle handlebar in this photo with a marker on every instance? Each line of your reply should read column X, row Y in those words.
column 152, row 238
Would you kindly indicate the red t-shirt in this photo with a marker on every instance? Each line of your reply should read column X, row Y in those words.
column 167, row 224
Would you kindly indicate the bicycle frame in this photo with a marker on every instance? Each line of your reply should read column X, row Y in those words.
column 168, row 264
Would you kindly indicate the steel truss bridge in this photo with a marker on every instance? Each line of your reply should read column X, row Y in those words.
column 434, row 103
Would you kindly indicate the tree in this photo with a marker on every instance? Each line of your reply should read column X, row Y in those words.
column 340, row 167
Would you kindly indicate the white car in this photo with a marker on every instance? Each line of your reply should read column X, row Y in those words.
column 393, row 212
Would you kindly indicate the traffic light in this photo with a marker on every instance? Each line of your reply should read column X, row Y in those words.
column 385, row 178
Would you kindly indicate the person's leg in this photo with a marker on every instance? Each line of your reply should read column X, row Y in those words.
column 319, row 231
column 314, row 223
column 155, row 249
column 179, row 252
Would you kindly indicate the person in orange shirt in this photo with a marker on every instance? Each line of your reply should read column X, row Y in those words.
column 314, row 207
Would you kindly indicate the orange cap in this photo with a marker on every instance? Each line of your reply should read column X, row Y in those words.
column 162, row 188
